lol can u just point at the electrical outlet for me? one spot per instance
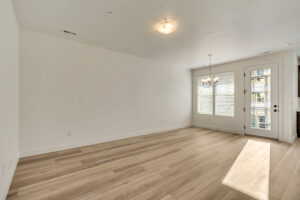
(162, 121)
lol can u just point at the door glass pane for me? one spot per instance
(261, 99)
(224, 94)
(204, 97)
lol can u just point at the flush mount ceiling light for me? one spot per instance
(166, 26)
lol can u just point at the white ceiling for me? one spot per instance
(229, 29)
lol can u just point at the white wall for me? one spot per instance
(75, 94)
(294, 88)
(9, 94)
(287, 95)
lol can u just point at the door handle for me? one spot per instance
(275, 110)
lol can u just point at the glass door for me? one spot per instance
(261, 100)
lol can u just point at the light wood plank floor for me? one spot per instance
(185, 164)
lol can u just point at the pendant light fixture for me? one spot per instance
(210, 81)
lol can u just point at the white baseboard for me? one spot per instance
(49, 149)
(291, 140)
(196, 124)
(8, 179)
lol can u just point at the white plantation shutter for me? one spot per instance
(204, 97)
(224, 94)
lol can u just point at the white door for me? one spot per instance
(261, 100)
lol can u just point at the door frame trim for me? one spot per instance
(279, 63)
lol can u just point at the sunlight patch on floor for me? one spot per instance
(250, 172)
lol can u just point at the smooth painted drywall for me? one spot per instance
(75, 94)
(9, 95)
(287, 95)
(230, 29)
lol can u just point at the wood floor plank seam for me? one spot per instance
(184, 164)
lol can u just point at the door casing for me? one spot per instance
(274, 132)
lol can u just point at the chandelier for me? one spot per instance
(210, 81)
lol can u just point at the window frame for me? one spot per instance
(214, 94)
(197, 96)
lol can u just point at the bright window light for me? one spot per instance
(250, 173)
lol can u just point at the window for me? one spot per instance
(224, 94)
(261, 99)
(204, 97)
(217, 100)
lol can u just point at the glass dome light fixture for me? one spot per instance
(166, 26)
(210, 81)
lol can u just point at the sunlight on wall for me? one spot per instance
(251, 170)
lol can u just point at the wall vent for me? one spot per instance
(69, 32)
(265, 52)
(293, 43)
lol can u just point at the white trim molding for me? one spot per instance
(8, 179)
(119, 136)
(199, 125)
(287, 95)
